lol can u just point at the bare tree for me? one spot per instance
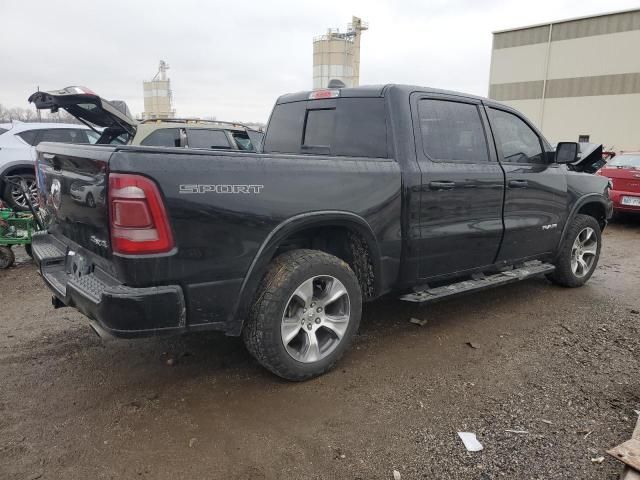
(30, 114)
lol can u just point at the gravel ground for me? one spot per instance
(561, 365)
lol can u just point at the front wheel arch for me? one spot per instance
(593, 205)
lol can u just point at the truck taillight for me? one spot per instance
(137, 218)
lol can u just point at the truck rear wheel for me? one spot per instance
(579, 252)
(306, 311)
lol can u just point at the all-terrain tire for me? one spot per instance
(564, 274)
(262, 329)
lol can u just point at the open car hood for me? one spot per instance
(590, 158)
(86, 106)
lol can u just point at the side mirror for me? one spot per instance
(567, 152)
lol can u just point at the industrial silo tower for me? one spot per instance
(336, 55)
(158, 101)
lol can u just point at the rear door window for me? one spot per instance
(202, 138)
(452, 131)
(164, 137)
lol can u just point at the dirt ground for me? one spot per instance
(560, 364)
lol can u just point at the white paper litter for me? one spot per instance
(470, 441)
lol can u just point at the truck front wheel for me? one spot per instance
(579, 252)
(306, 311)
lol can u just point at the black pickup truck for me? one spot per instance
(358, 192)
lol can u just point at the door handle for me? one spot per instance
(518, 184)
(445, 185)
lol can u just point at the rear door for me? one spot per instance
(535, 206)
(462, 185)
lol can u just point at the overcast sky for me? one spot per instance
(232, 60)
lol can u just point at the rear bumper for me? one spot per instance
(616, 198)
(113, 309)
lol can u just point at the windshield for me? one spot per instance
(625, 161)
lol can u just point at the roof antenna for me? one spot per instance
(336, 83)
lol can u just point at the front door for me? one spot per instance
(462, 185)
(535, 206)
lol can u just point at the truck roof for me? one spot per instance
(376, 91)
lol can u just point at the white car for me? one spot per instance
(18, 143)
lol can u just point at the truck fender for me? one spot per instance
(581, 202)
(283, 230)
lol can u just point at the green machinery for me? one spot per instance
(16, 228)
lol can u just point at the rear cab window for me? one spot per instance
(319, 128)
(352, 127)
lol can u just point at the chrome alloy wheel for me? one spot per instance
(583, 252)
(315, 319)
(19, 197)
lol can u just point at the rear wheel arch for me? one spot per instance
(342, 234)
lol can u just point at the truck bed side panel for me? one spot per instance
(224, 205)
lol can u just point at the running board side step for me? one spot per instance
(522, 272)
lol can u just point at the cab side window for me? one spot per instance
(452, 131)
(519, 142)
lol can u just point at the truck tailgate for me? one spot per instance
(72, 189)
(75, 255)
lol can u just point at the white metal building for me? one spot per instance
(336, 55)
(576, 79)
